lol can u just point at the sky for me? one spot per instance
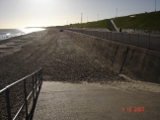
(43, 13)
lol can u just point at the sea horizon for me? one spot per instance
(9, 33)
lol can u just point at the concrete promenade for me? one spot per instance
(93, 101)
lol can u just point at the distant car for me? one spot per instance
(61, 30)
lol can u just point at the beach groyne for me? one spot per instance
(132, 61)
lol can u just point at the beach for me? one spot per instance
(61, 57)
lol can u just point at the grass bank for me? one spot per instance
(136, 21)
(94, 24)
(139, 21)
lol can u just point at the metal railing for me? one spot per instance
(30, 95)
(147, 41)
(142, 31)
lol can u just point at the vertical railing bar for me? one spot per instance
(31, 113)
(25, 99)
(129, 38)
(41, 77)
(149, 41)
(33, 99)
(111, 36)
(138, 41)
(121, 37)
(8, 104)
(39, 81)
(36, 84)
(33, 85)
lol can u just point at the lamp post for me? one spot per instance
(155, 5)
(81, 17)
(98, 17)
(116, 12)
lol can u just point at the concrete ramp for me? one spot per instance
(112, 26)
(66, 101)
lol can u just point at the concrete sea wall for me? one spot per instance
(151, 42)
(132, 61)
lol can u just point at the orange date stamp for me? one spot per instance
(132, 109)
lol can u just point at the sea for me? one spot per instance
(9, 33)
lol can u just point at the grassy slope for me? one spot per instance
(95, 24)
(140, 21)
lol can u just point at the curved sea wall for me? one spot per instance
(134, 62)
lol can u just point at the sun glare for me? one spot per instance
(29, 30)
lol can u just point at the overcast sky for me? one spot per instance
(28, 13)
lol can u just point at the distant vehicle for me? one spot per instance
(61, 30)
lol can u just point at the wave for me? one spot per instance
(8, 33)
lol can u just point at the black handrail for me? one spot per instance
(36, 87)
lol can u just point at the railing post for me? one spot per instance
(33, 84)
(34, 96)
(40, 75)
(25, 99)
(111, 35)
(129, 38)
(149, 41)
(36, 83)
(138, 40)
(8, 104)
